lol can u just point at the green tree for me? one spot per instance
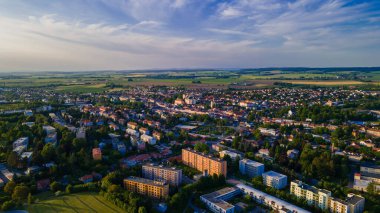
(12, 159)
(7, 205)
(55, 186)
(142, 209)
(20, 193)
(9, 187)
(69, 189)
(30, 199)
(48, 152)
(201, 147)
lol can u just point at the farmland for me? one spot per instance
(82, 202)
(95, 82)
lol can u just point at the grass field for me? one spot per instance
(326, 83)
(86, 82)
(81, 202)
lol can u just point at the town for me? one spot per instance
(178, 149)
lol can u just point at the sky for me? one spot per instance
(74, 35)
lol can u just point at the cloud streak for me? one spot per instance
(189, 34)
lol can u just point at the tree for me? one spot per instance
(142, 209)
(48, 152)
(12, 159)
(69, 188)
(20, 193)
(55, 186)
(9, 187)
(201, 147)
(7, 205)
(371, 189)
(30, 199)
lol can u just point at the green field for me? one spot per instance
(81, 202)
(91, 82)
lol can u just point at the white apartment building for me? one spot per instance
(251, 168)
(313, 196)
(275, 180)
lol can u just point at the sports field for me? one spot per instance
(81, 202)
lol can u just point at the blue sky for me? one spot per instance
(155, 34)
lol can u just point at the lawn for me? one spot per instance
(81, 202)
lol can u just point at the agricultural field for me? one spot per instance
(81, 202)
(91, 82)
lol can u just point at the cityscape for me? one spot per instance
(138, 106)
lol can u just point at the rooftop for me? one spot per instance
(251, 162)
(274, 174)
(214, 197)
(204, 155)
(145, 181)
(161, 167)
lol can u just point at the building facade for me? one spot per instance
(275, 180)
(216, 201)
(204, 162)
(313, 196)
(251, 168)
(150, 188)
(172, 176)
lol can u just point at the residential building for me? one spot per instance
(171, 175)
(233, 155)
(352, 204)
(148, 139)
(275, 203)
(275, 180)
(21, 142)
(97, 154)
(150, 188)
(81, 133)
(132, 125)
(133, 132)
(216, 201)
(313, 196)
(251, 168)
(204, 163)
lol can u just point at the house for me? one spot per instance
(43, 184)
(86, 178)
(148, 139)
(157, 135)
(144, 131)
(97, 154)
(132, 125)
(179, 102)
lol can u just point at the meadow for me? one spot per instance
(92, 82)
(81, 202)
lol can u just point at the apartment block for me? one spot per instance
(251, 168)
(275, 180)
(150, 188)
(204, 163)
(352, 204)
(170, 175)
(313, 196)
(216, 201)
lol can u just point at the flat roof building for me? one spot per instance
(251, 168)
(273, 202)
(313, 196)
(275, 180)
(150, 188)
(204, 162)
(171, 175)
(216, 201)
